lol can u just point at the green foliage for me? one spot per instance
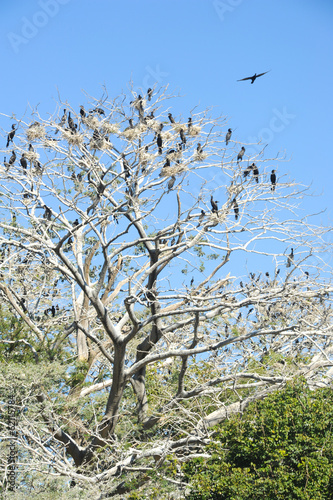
(282, 447)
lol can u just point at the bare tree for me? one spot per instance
(187, 279)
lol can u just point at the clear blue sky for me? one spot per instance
(200, 48)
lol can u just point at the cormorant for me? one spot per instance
(11, 134)
(189, 123)
(12, 158)
(30, 148)
(171, 118)
(48, 213)
(228, 136)
(23, 162)
(149, 93)
(199, 148)
(247, 171)
(183, 138)
(290, 258)
(167, 163)
(100, 111)
(255, 172)
(192, 281)
(130, 121)
(63, 120)
(171, 183)
(214, 205)
(253, 78)
(82, 112)
(159, 143)
(71, 122)
(273, 180)
(76, 223)
(236, 208)
(241, 154)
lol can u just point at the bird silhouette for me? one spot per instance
(236, 208)
(23, 162)
(241, 154)
(273, 180)
(253, 78)
(82, 112)
(214, 204)
(171, 183)
(159, 143)
(149, 93)
(290, 258)
(11, 134)
(199, 148)
(228, 136)
(63, 120)
(255, 172)
(189, 124)
(171, 118)
(12, 158)
(183, 138)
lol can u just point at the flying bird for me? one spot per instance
(228, 136)
(273, 180)
(253, 78)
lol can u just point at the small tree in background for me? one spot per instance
(127, 232)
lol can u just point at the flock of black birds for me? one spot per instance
(67, 120)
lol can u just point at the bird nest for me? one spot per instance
(133, 133)
(73, 138)
(110, 128)
(200, 156)
(31, 156)
(174, 170)
(35, 132)
(177, 127)
(194, 130)
(92, 122)
(144, 158)
(166, 136)
(100, 144)
(50, 143)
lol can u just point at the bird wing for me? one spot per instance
(263, 73)
(248, 78)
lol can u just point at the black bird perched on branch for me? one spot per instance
(82, 112)
(215, 208)
(159, 143)
(183, 138)
(199, 148)
(12, 158)
(290, 258)
(273, 180)
(255, 172)
(11, 134)
(236, 208)
(167, 163)
(63, 120)
(171, 118)
(228, 136)
(99, 111)
(71, 122)
(253, 78)
(31, 148)
(247, 171)
(24, 162)
(241, 154)
(48, 213)
(189, 124)
(149, 93)
(171, 183)
(76, 223)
